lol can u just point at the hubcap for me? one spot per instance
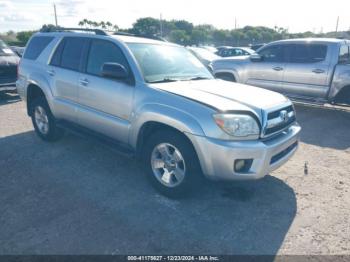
(168, 165)
(41, 120)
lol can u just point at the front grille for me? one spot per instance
(276, 122)
(8, 74)
(283, 153)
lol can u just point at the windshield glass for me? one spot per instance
(4, 49)
(163, 63)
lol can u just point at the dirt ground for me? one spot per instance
(78, 197)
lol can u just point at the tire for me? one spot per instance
(343, 98)
(174, 178)
(44, 122)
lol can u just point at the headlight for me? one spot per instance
(237, 125)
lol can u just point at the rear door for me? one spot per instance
(268, 73)
(105, 104)
(63, 72)
(306, 73)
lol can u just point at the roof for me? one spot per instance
(123, 37)
(317, 40)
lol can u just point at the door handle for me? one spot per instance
(318, 71)
(277, 68)
(84, 82)
(51, 72)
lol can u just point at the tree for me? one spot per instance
(183, 25)
(24, 36)
(146, 26)
(179, 37)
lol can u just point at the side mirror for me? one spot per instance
(115, 71)
(255, 57)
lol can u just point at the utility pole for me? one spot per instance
(336, 28)
(235, 23)
(54, 9)
(161, 25)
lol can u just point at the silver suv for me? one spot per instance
(155, 100)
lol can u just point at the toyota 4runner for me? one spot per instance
(154, 99)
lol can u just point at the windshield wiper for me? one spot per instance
(164, 80)
(197, 78)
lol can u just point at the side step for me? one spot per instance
(85, 133)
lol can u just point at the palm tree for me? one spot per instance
(109, 25)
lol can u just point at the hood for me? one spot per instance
(224, 95)
(10, 60)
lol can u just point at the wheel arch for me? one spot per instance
(159, 116)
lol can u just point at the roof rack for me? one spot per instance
(100, 32)
(68, 29)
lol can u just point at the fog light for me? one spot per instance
(242, 165)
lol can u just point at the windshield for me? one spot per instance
(4, 49)
(164, 63)
(205, 54)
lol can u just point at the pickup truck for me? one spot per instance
(155, 100)
(316, 70)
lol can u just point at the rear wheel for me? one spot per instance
(43, 121)
(344, 96)
(171, 163)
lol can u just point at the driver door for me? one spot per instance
(105, 104)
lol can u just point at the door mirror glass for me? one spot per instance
(115, 71)
(255, 57)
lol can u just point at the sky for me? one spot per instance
(295, 15)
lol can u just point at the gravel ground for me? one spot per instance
(79, 197)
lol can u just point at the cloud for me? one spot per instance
(6, 5)
(23, 17)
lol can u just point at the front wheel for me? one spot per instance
(171, 163)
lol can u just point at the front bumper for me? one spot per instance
(217, 157)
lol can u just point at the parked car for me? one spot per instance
(234, 51)
(303, 69)
(8, 68)
(205, 56)
(18, 50)
(155, 100)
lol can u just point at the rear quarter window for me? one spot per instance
(308, 53)
(36, 46)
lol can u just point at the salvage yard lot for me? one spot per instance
(79, 197)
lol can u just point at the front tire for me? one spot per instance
(171, 163)
(44, 122)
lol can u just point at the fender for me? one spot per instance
(163, 114)
(40, 81)
(341, 79)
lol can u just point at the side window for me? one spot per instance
(36, 46)
(344, 55)
(308, 53)
(273, 53)
(56, 58)
(72, 52)
(103, 52)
